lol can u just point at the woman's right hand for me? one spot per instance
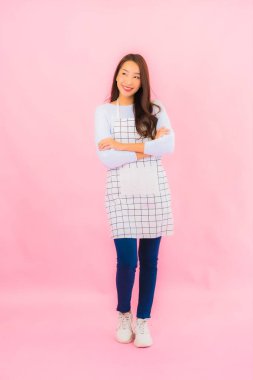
(162, 132)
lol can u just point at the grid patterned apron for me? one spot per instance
(137, 196)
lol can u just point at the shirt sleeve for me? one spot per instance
(111, 158)
(164, 144)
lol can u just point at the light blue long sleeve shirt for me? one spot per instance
(112, 158)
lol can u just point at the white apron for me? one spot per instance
(137, 197)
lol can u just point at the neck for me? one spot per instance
(123, 101)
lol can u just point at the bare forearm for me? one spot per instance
(133, 147)
(138, 148)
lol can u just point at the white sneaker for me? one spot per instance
(124, 330)
(142, 334)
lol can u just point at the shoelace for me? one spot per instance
(141, 324)
(124, 320)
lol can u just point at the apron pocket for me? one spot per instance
(138, 180)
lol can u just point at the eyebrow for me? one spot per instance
(128, 71)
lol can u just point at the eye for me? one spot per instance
(134, 77)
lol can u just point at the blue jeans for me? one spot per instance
(126, 266)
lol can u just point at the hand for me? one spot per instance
(109, 143)
(161, 132)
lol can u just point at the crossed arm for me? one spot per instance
(116, 153)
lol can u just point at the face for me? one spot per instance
(128, 79)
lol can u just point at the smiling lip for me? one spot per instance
(127, 88)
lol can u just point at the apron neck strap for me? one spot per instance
(118, 108)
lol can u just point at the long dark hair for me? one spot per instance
(143, 107)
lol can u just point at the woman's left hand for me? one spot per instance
(109, 143)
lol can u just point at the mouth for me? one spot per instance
(127, 88)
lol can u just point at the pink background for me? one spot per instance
(57, 262)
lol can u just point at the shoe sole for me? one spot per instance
(142, 345)
(125, 341)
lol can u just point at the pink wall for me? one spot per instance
(57, 262)
(57, 63)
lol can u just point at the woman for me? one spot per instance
(131, 134)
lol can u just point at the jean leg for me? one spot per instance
(148, 257)
(126, 267)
